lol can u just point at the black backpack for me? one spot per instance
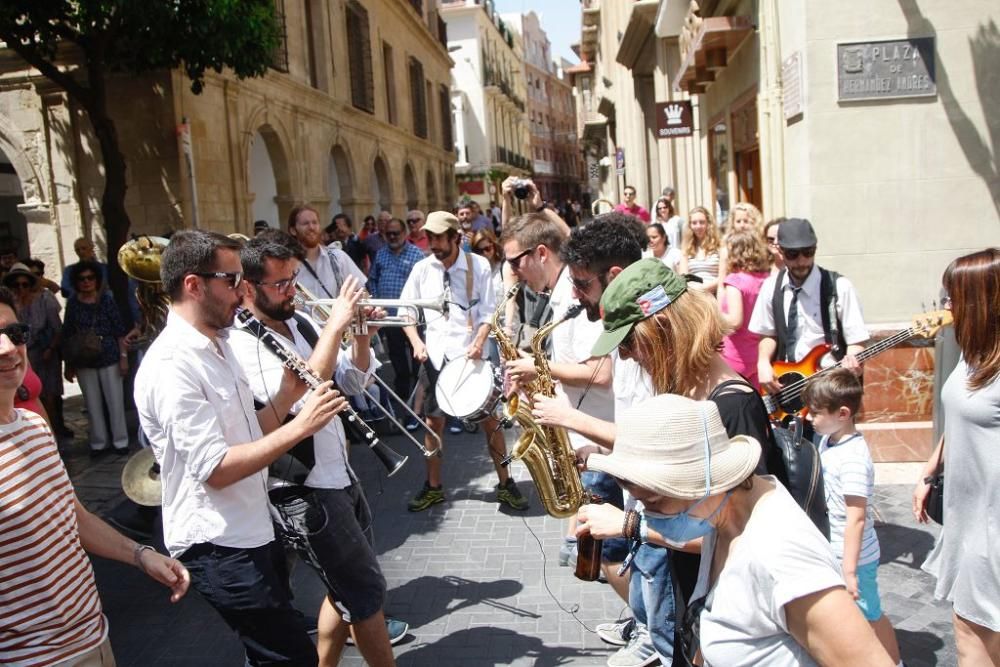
(805, 473)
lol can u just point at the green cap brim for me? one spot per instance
(609, 340)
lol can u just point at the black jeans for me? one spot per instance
(404, 366)
(249, 588)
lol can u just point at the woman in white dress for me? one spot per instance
(966, 557)
(673, 224)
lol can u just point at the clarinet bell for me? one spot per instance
(390, 459)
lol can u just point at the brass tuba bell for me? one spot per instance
(140, 260)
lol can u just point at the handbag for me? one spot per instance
(82, 349)
(935, 499)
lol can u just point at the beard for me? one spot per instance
(309, 238)
(275, 310)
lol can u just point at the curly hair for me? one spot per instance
(691, 245)
(744, 207)
(612, 239)
(747, 253)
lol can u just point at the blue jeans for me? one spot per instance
(602, 485)
(651, 597)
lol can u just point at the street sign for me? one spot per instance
(887, 70)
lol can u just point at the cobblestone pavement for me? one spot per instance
(477, 584)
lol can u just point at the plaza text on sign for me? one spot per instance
(891, 69)
(674, 119)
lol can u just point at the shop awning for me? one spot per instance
(709, 51)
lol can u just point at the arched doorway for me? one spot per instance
(381, 190)
(410, 181)
(262, 182)
(13, 224)
(432, 199)
(340, 183)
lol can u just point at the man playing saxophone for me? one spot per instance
(461, 331)
(531, 244)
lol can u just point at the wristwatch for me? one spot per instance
(929, 479)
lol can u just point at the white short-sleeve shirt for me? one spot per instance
(572, 343)
(848, 470)
(780, 557)
(810, 327)
(264, 371)
(448, 336)
(194, 403)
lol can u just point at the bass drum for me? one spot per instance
(469, 389)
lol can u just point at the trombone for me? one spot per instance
(319, 310)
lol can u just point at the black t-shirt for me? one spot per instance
(743, 413)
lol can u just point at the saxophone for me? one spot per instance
(545, 450)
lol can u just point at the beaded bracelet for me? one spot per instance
(630, 526)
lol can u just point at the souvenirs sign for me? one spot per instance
(674, 119)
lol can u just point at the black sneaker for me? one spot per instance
(428, 496)
(511, 496)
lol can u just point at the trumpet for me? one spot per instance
(319, 310)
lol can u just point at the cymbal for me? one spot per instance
(141, 479)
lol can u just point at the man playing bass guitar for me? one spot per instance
(804, 306)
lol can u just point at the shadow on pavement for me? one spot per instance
(430, 598)
(919, 648)
(903, 545)
(465, 647)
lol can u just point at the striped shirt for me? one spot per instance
(848, 471)
(49, 607)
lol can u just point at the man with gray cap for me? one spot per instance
(803, 306)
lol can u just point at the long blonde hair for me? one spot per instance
(676, 345)
(691, 245)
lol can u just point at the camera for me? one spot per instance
(522, 188)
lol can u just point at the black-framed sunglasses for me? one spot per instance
(582, 283)
(234, 278)
(413, 221)
(17, 332)
(484, 248)
(85, 277)
(772, 241)
(795, 253)
(392, 235)
(515, 261)
(280, 285)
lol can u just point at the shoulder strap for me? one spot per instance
(720, 390)
(778, 308)
(468, 287)
(832, 329)
(306, 330)
(313, 273)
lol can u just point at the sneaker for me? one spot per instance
(412, 424)
(567, 557)
(396, 628)
(639, 651)
(428, 496)
(511, 496)
(454, 426)
(617, 633)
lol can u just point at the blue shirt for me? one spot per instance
(389, 271)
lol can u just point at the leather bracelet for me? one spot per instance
(630, 526)
(137, 555)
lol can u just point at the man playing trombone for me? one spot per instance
(339, 546)
(460, 332)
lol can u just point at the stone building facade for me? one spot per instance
(874, 120)
(488, 98)
(354, 116)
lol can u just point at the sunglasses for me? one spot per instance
(413, 221)
(22, 284)
(793, 254)
(582, 284)
(515, 261)
(16, 332)
(772, 241)
(280, 285)
(392, 235)
(234, 278)
(485, 248)
(84, 278)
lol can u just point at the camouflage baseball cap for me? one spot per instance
(640, 291)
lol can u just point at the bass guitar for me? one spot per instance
(793, 375)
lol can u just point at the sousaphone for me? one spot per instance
(141, 479)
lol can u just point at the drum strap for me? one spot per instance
(468, 288)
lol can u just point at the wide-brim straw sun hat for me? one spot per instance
(660, 446)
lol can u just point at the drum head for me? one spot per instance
(465, 386)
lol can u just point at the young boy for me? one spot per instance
(833, 399)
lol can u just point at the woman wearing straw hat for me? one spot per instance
(769, 583)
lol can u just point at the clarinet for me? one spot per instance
(392, 460)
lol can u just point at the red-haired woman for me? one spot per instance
(966, 558)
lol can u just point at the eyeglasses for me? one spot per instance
(772, 241)
(582, 284)
(794, 254)
(413, 221)
(234, 278)
(515, 261)
(86, 276)
(280, 285)
(21, 284)
(392, 235)
(17, 332)
(629, 193)
(485, 248)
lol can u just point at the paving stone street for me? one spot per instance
(478, 585)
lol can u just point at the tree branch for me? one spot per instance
(53, 73)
